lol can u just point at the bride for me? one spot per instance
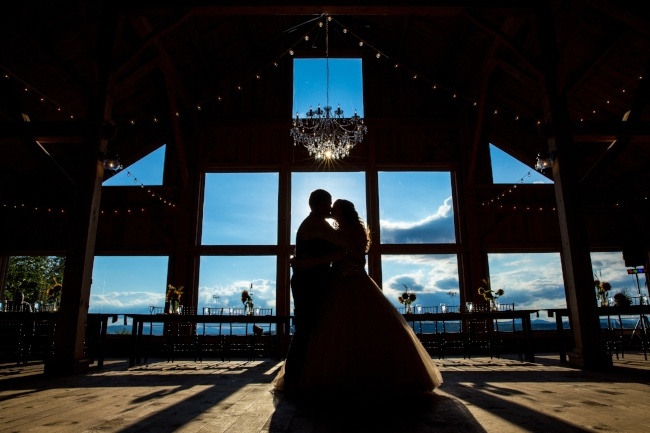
(362, 343)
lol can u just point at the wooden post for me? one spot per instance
(589, 352)
(68, 357)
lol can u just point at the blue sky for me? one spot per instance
(414, 208)
(345, 89)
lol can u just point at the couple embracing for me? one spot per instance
(348, 337)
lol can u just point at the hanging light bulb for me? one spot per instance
(544, 161)
(110, 162)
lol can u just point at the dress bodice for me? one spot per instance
(349, 266)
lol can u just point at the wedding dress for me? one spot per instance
(363, 344)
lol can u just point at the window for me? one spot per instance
(310, 85)
(128, 284)
(240, 209)
(223, 278)
(610, 267)
(346, 185)
(146, 171)
(416, 207)
(506, 169)
(430, 276)
(530, 280)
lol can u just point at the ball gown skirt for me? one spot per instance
(363, 344)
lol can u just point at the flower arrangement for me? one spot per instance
(173, 294)
(406, 299)
(247, 300)
(173, 299)
(489, 294)
(602, 287)
(622, 299)
(54, 292)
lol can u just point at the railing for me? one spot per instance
(641, 330)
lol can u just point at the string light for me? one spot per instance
(290, 52)
(507, 190)
(150, 191)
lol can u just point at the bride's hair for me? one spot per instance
(350, 217)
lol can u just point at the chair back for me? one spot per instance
(212, 328)
(450, 308)
(507, 307)
(482, 307)
(187, 310)
(156, 310)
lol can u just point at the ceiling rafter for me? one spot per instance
(641, 100)
(507, 41)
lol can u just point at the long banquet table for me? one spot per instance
(522, 315)
(140, 319)
(631, 310)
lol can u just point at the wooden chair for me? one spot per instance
(429, 332)
(612, 336)
(182, 341)
(478, 333)
(39, 340)
(211, 340)
(507, 336)
(237, 342)
(427, 326)
(451, 332)
(181, 337)
(637, 335)
(263, 341)
(12, 341)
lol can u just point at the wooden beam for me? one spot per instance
(69, 357)
(588, 352)
(233, 7)
(641, 99)
(43, 132)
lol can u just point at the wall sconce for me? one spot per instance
(544, 161)
(110, 162)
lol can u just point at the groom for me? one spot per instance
(309, 283)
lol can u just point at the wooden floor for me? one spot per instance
(478, 395)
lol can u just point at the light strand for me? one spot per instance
(379, 54)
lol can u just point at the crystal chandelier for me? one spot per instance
(327, 134)
(544, 161)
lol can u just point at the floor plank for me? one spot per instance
(480, 395)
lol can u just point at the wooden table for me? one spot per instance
(522, 315)
(96, 327)
(135, 357)
(559, 313)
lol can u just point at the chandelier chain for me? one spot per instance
(327, 134)
(327, 61)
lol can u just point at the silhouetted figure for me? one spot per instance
(309, 284)
(19, 303)
(362, 346)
